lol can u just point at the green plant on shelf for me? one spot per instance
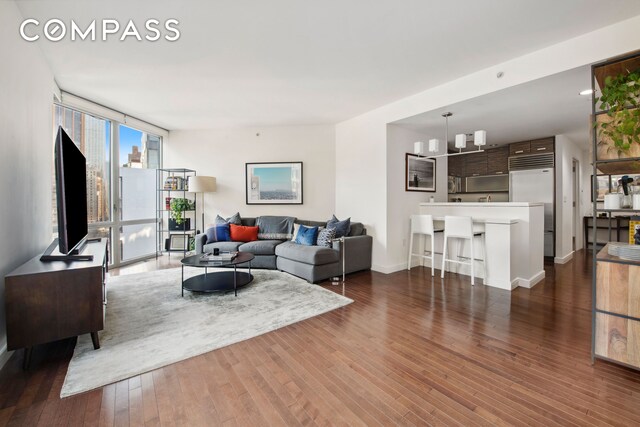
(620, 97)
(178, 206)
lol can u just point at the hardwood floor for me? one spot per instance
(411, 350)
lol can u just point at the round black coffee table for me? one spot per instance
(219, 281)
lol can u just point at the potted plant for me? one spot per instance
(178, 207)
(619, 128)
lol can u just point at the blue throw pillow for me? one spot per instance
(342, 227)
(218, 233)
(307, 235)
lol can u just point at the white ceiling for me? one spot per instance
(537, 109)
(287, 62)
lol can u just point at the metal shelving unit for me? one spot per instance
(163, 232)
(615, 334)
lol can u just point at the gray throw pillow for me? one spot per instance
(342, 227)
(326, 236)
(233, 219)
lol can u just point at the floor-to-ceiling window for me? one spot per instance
(121, 168)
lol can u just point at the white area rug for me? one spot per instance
(149, 325)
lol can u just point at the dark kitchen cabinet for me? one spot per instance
(520, 148)
(544, 145)
(498, 161)
(456, 165)
(475, 164)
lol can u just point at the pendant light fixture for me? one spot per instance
(479, 140)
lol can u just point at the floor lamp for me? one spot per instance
(202, 184)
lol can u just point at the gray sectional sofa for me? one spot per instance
(312, 263)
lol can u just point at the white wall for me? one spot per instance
(566, 151)
(400, 203)
(365, 197)
(26, 159)
(223, 154)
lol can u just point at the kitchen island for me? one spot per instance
(514, 233)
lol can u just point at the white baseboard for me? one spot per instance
(389, 269)
(565, 259)
(4, 355)
(532, 281)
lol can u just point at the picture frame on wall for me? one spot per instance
(273, 183)
(420, 173)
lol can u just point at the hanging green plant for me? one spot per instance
(178, 206)
(620, 96)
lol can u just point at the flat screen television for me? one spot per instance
(71, 193)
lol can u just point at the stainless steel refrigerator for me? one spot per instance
(536, 185)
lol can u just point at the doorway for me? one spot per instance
(575, 190)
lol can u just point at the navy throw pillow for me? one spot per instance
(218, 233)
(307, 235)
(342, 227)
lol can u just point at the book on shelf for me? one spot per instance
(174, 183)
(634, 230)
(223, 256)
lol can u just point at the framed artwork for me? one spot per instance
(178, 242)
(274, 183)
(602, 184)
(420, 173)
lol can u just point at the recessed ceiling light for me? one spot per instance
(586, 92)
(493, 145)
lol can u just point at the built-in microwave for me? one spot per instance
(455, 185)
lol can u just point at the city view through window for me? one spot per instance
(139, 153)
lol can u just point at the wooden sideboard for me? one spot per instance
(49, 301)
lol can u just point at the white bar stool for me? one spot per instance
(422, 224)
(461, 227)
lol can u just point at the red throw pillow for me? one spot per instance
(241, 233)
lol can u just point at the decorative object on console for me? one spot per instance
(479, 140)
(307, 235)
(202, 184)
(242, 233)
(273, 183)
(420, 173)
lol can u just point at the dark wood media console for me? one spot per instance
(49, 301)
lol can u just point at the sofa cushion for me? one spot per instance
(223, 246)
(260, 247)
(314, 255)
(274, 227)
(307, 235)
(241, 233)
(326, 236)
(342, 227)
(218, 233)
(233, 219)
(357, 229)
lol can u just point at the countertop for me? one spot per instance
(485, 204)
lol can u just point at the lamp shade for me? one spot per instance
(202, 184)
(461, 140)
(418, 147)
(480, 138)
(434, 145)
